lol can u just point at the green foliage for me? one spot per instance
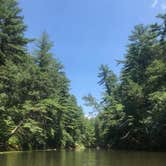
(108, 79)
(132, 109)
(89, 138)
(12, 29)
(36, 108)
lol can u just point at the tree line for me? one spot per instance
(132, 110)
(37, 110)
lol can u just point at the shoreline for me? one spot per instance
(80, 149)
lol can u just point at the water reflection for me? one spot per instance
(83, 158)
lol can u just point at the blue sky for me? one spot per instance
(87, 33)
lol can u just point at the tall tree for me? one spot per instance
(12, 40)
(13, 60)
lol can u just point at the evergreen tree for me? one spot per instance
(12, 40)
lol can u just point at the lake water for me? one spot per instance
(83, 158)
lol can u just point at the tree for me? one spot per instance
(12, 40)
(13, 59)
(107, 78)
(133, 110)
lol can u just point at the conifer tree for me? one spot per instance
(12, 40)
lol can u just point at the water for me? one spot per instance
(83, 158)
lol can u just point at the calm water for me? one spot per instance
(83, 158)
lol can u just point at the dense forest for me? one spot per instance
(37, 110)
(132, 112)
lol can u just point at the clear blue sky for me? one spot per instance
(88, 33)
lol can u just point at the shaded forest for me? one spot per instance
(37, 110)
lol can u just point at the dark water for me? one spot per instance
(83, 158)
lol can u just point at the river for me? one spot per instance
(83, 158)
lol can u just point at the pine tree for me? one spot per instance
(12, 40)
(13, 59)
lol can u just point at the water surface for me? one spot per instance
(83, 158)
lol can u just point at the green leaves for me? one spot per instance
(108, 79)
(156, 73)
(36, 107)
(37, 110)
(132, 109)
(12, 30)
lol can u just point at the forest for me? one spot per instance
(37, 110)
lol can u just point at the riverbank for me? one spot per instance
(76, 148)
(26, 151)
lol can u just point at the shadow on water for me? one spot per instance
(83, 158)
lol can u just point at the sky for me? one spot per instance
(88, 33)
